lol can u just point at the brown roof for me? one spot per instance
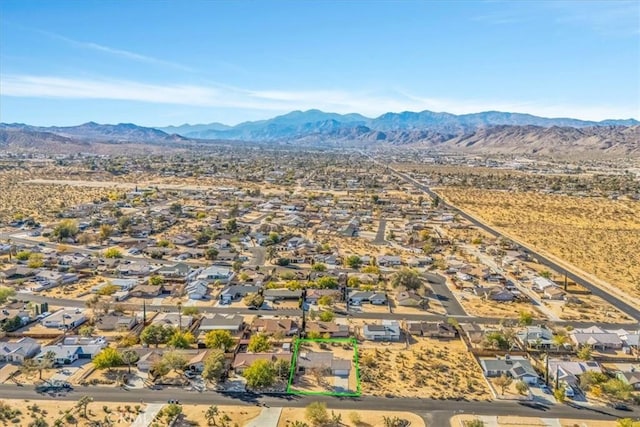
(272, 326)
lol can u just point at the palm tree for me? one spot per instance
(560, 340)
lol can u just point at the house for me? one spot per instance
(411, 299)
(630, 375)
(10, 311)
(419, 261)
(242, 361)
(220, 322)
(388, 330)
(65, 319)
(147, 291)
(541, 283)
(389, 260)
(234, 292)
(176, 320)
(359, 297)
(197, 290)
(474, 332)
(494, 293)
(432, 329)
(123, 285)
(313, 295)
(72, 349)
(133, 268)
(323, 360)
(597, 338)
(175, 270)
(18, 351)
(75, 260)
(553, 293)
(18, 272)
(516, 367)
(285, 327)
(282, 294)
(333, 329)
(50, 278)
(216, 273)
(115, 322)
(184, 240)
(535, 337)
(568, 372)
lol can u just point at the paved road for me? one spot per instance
(296, 312)
(259, 255)
(380, 240)
(632, 311)
(448, 300)
(427, 408)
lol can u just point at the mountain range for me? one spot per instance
(488, 132)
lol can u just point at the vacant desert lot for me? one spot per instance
(430, 368)
(594, 234)
(290, 416)
(458, 420)
(118, 414)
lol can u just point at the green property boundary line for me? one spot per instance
(294, 366)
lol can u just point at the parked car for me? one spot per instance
(545, 389)
(619, 406)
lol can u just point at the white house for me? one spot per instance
(215, 273)
(197, 289)
(65, 319)
(388, 330)
(17, 351)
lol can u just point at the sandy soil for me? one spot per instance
(309, 383)
(238, 414)
(52, 410)
(475, 306)
(594, 234)
(368, 418)
(457, 421)
(429, 368)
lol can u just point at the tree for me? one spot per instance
(326, 282)
(327, 316)
(503, 381)
(82, 404)
(159, 369)
(211, 414)
(174, 360)
(156, 280)
(260, 374)
(129, 357)
(105, 232)
(271, 253)
(522, 387)
(23, 255)
(325, 300)
(496, 340)
(525, 318)
(213, 366)
(259, 343)
(176, 208)
(407, 278)
(316, 413)
(12, 324)
(86, 330)
(156, 334)
(66, 229)
(559, 340)
(627, 422)
(108, 289)
(353, 261)
(318, 266)
(585, 353)
(474, 423)
(6, 293)
(253, 300)
(211, 253)
(355, 418)
(617, 389)
(107, 358)
(220, 339)
(282, 368)
(232, 225)
(46, 362)
(559, 394)
(36, 260)
(181, 339)
(113, 253)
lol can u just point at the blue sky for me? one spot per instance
(157, 63)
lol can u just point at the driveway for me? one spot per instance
(341, 384)
(269, 417)
(449, 302)
(380, 240)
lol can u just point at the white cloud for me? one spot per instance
(114, 51)
(279, 101)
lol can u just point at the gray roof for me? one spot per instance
(516, 366)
